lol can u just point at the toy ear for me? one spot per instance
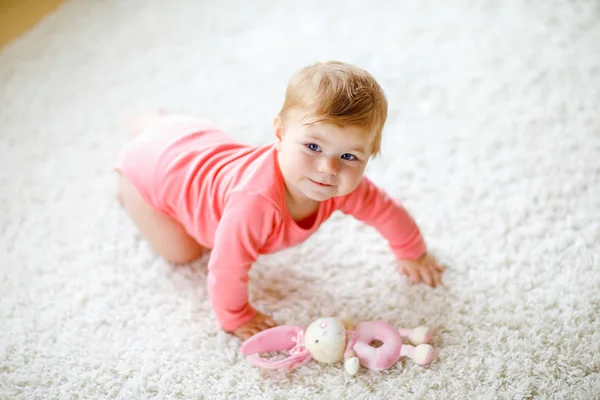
(273, 339)
(294, 361)
(280, 338)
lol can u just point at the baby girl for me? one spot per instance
(188, 187)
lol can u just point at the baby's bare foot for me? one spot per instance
(136, 123)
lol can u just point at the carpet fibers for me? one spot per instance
(493, 144)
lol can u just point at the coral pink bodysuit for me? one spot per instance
(230, 197)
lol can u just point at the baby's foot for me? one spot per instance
(136, 123)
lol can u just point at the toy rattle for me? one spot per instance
(330, 340)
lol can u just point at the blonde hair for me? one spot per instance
(338, 93)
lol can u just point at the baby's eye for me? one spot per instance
(313, 147)
(349, 157)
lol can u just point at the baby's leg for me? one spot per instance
(166, 236)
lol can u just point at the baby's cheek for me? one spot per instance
(352, 179)
(292, 163)
(305, 159)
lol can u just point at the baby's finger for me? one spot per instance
(437, 277)
(243, 334)
(440, 267)
(412, 274)
(253, 331)
(263, 326)
(257, 329)
(426, 275)
(270, 322)
(267, 320)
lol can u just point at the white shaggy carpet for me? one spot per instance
(493, 143)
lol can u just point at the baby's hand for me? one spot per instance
(260, 323)
(425, 269)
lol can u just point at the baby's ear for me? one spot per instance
(278, 129)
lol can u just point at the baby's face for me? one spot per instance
(323, 160)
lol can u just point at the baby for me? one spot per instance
(188, 187)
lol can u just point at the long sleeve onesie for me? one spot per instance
(230, 197)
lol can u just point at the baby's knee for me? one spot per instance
(186, 257)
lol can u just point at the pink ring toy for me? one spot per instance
(377, 358)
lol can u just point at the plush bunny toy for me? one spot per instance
(330, 340)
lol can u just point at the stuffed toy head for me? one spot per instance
(325, 339)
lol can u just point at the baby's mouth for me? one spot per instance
(320, 183)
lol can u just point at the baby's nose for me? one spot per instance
(330, 165)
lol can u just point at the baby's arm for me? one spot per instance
(372, 205)
(245, 225)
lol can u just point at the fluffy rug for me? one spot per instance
(493, 143)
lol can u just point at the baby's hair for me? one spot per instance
(338, 93)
